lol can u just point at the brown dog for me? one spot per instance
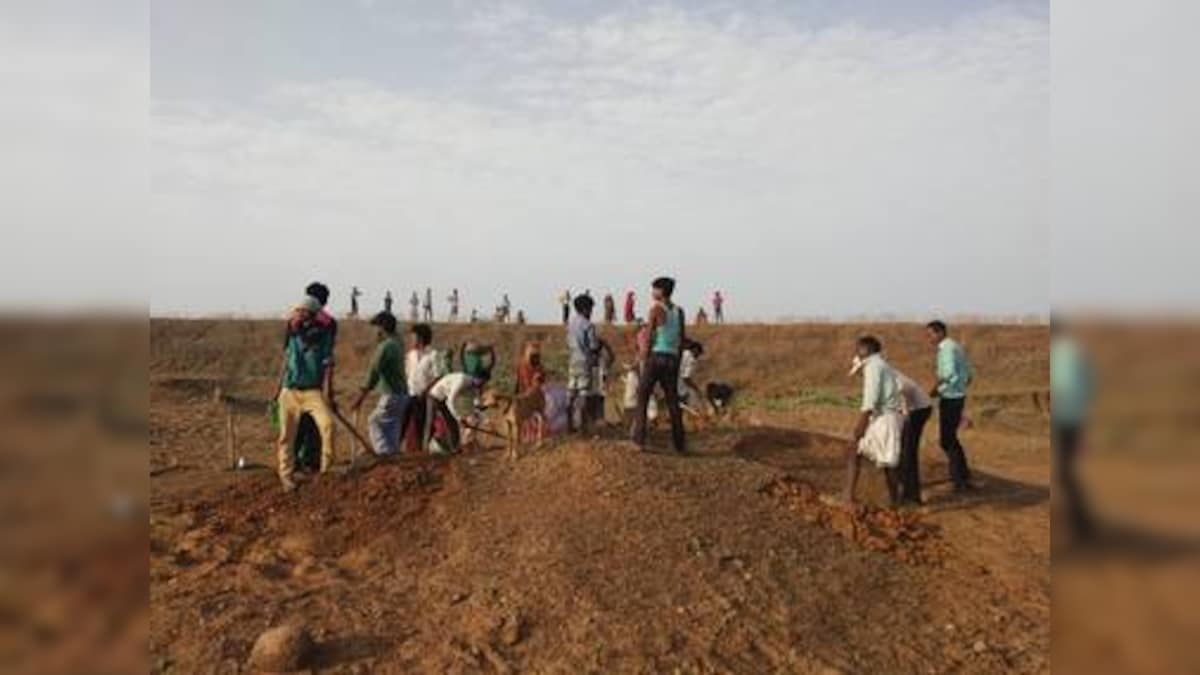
(516, 411)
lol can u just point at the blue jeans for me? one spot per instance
(384, 423)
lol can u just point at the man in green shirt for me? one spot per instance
(386, 376)
(953, 377)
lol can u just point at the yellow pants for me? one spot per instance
(292, 404)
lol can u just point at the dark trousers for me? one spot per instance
(1066, 448)
(566, 314)
(662, 370)
(910, 451)
(435, 408)
(412, 424)
(950, 411)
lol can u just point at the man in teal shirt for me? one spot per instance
(306, 384)
(386, 376)
(953, 377)
(1071, 387)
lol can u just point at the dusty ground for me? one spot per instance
(587, 557)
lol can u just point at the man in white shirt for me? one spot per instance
(421, 368)
(880, 423)
(443, 400)
(917, 408)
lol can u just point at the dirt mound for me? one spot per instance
(904, 535)
(586, 556)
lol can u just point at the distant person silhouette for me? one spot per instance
(354, 295)
(414, 307)
(453, 299)
(610, 309)
(387, 302)
(428, 304)
(630, 306)
(718, 303)
(565, 301)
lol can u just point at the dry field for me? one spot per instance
(586, 557)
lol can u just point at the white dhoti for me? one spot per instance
(881, 443)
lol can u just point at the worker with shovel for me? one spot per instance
(306, 385)
(386, 376)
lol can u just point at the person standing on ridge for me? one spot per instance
(630, 300)
(354, 295)
(428, 304)
(610, 309)
(718, 303)
(565, 301)
(414, 308)
(453, 299)
(387, 302)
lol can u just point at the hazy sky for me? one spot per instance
(810, 158)
(804, 158)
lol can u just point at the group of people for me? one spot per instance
(419, 390)
(421, 308)
(630, 314)
(895, 410)
(664, 359)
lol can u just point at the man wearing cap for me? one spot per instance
(385, 376)
(306, 384)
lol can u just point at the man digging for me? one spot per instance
(880, 422)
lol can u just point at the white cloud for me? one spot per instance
(835, 170)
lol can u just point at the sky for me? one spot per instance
(833, 159)
(73, 155)
(804, 158)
